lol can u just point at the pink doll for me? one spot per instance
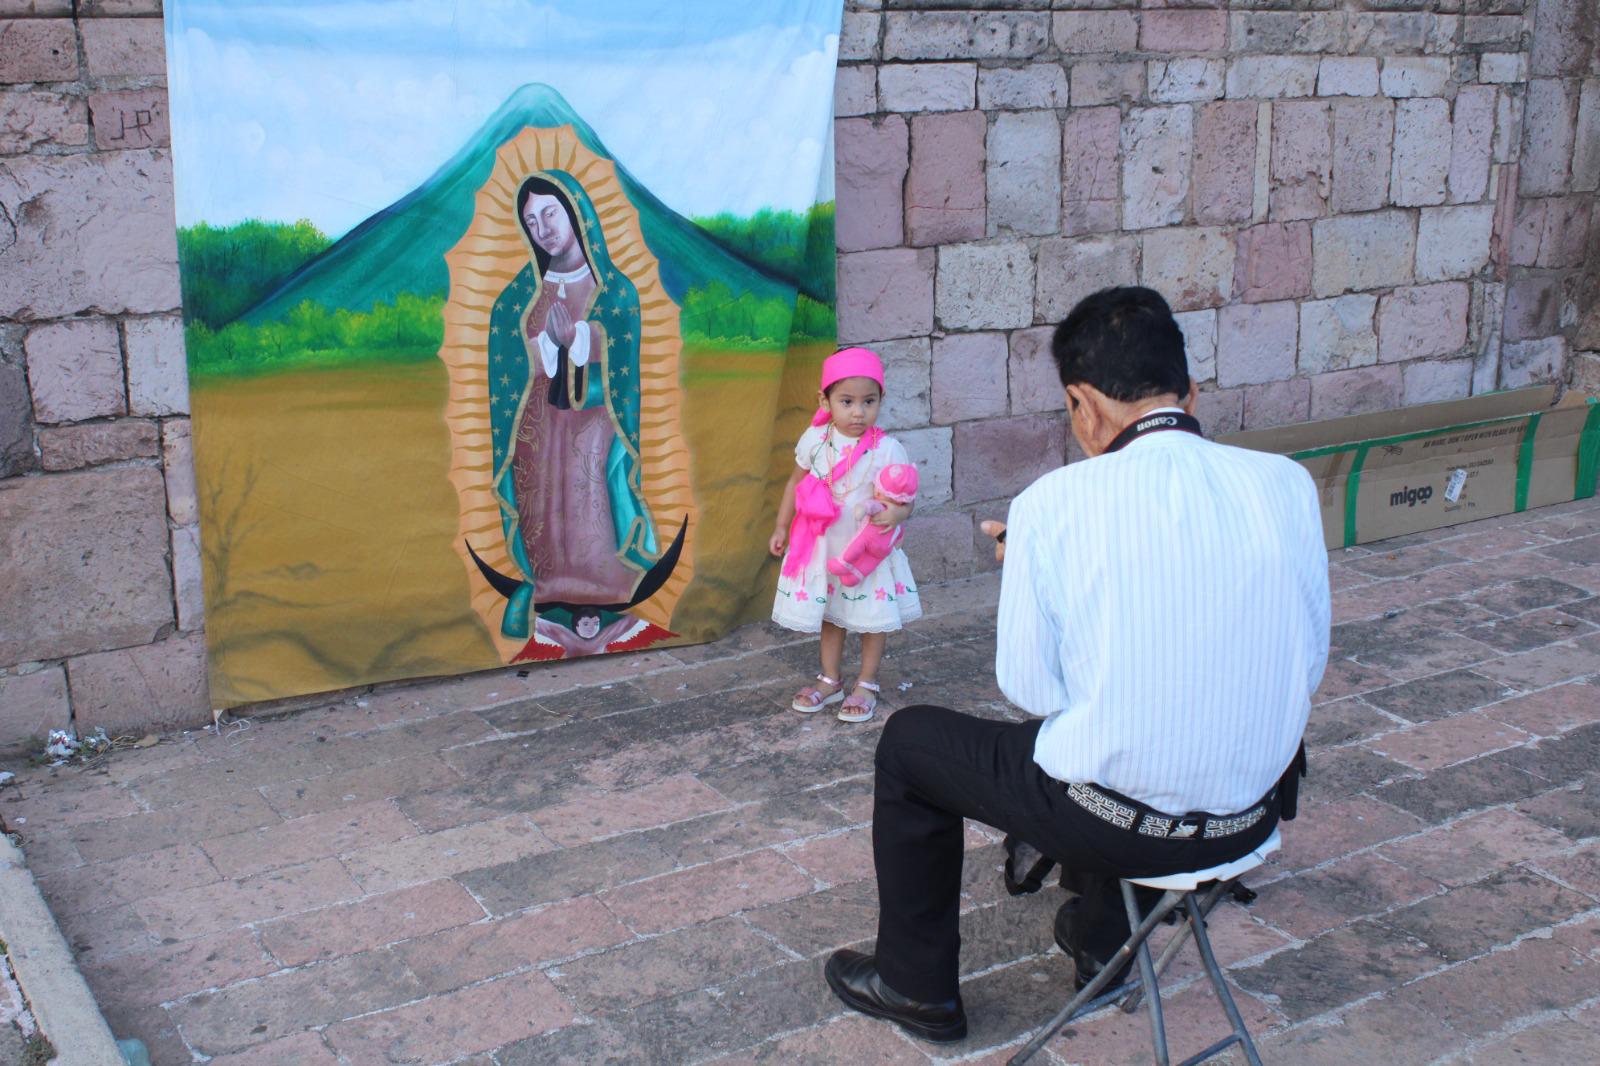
(872, 545)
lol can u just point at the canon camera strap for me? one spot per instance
(1155, 423)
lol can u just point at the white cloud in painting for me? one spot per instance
(288, 124)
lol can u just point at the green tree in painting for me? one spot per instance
(227, 269)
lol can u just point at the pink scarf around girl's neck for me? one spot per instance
(814, 506)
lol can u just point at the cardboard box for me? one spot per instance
(1441, 464)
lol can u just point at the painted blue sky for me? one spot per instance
(332, 109)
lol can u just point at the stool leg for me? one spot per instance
(1147, 973)
(1170, 901)
(1091, 992)
(1218, 983)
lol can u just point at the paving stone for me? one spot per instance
(367, 923)
(1468, 921)
(302, 1049)
(1332, 896)
(234, 1018)
(1551, 711)
(1325, 831)
(173, 971)
(444, 853)
(545, 878)
(192, 912)
(443, 1027)
(678, 899)
(1337, 968)
(1493, 780)
(1556, 1040)
(1343, 721)
(1449, 741)
(118, 837)
(1464, 851)
(128, 880)
(1528, 631)
(1342, 772)
(851, 1038)
(1192, 1018)
(1378, 1030)
(832, 918)
(1346, 677)
(1480, 996)
(681, 961)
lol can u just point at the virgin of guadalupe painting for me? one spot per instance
(581, 343)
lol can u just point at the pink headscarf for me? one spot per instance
(848, 363)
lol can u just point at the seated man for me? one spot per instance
(1164, 611)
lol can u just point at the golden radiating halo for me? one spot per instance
(481, 264)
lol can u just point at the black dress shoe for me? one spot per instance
(1087, 965)
(854, 979)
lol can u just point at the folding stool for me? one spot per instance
(1180, 890)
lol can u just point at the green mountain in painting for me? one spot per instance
(401, 249)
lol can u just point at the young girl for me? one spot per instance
(838, 460)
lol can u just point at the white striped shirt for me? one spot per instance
(1166, 607)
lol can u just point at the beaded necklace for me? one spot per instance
(851, 482)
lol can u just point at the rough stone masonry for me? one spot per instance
(1354, 204)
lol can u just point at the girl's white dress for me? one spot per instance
(887, 599)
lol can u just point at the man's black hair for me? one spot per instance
(1124, 342)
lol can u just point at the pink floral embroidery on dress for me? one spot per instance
(883, 594)
(800, 594)
(899, 588)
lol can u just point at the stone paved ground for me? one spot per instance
(646, 859)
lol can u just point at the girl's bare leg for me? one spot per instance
(832, 651)
(872, 645)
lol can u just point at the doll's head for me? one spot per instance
(897, 483)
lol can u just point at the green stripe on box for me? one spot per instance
(1588, 453)
(1525, 461)
(1352, 489)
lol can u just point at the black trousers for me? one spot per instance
(936, 767)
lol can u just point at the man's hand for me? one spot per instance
(997, 530)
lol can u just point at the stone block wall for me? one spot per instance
(100, 611)
(1353, 205)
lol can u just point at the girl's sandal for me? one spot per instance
(861, 705)
(811, 699)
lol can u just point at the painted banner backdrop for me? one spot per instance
(502, 319)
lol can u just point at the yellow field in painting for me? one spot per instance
(327, 518)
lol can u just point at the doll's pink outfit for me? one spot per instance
(870, 546)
